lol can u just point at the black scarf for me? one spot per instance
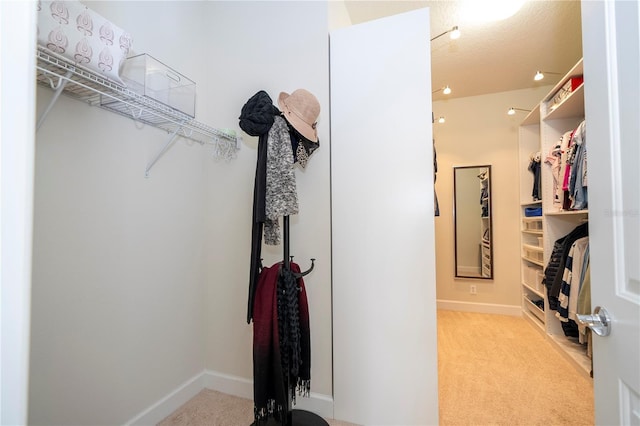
(256, 118)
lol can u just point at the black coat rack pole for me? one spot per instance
(285, 230)
(296, 417)
(288, 420)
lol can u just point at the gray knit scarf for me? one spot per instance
(281, 198)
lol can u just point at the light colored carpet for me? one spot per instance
(493, 370)
(499, 370)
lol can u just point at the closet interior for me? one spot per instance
(554, 218)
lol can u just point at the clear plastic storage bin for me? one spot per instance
(147, 76)
(532, 224)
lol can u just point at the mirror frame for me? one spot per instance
(457, 274)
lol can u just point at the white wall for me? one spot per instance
(271, 46)
(16, 205)
(478, 131)
(140, 284)
(118, 278)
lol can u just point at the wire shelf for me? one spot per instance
(60, 74)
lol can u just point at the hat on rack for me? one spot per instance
(301, 109)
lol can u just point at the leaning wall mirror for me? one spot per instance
(472, 222)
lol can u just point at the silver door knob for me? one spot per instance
(599, 322)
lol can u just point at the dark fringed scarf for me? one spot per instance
(281, 341)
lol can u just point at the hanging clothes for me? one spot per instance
(570, 286)
(281, 198)
(578, 177)
(568, 162)
(256, 118)
(584, 308)
(554, 270)
(281, 340)
(553, 159)
(534, 167)
(280, 146)
(435, 173)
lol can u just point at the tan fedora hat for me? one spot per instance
(301, 109)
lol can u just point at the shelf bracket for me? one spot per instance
(134, 115)
(164, 149)
(62, 82)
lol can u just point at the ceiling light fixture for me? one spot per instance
(446, 90)
(455, 33)
(540, 74)
(441, 119)
(513, 110)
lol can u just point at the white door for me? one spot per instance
(611, 44)
(383, 256)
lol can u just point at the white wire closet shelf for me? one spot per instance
(62, 75)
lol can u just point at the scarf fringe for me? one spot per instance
(303, 388)
(261, 415)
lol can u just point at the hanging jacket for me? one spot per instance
(555, 267)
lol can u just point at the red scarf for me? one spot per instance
(269, 379)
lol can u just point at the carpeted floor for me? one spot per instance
(499, 370)
(493, 370)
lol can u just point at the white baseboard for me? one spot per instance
(317, 403)
(482, 308)
(231, 385)
(171, 402)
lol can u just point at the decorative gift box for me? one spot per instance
(72, 30)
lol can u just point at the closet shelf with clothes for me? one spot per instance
(553, 183)
(64, 76)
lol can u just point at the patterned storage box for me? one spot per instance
(72, 30)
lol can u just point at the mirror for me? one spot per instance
(472, 222)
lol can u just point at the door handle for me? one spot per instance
(599, 322)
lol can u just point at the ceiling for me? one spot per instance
(496, 56)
